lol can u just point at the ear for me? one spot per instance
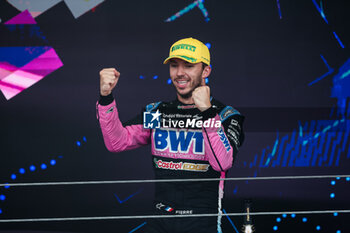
(206, 72)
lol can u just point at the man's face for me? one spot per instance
(186, 76)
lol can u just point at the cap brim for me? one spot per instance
(188, 59)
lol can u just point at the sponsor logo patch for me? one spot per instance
(181, 166)
(186, 106)
(184, 46)
(224, 140)
(161, 206)
(178, 141)
(234, 122)
(111, 109)
(227, 112)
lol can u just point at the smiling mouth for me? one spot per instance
(182, 83)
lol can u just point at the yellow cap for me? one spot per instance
(190, 50)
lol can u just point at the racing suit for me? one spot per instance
(181, 149)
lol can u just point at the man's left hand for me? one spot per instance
(201, 98)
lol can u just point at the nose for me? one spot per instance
(180, 71)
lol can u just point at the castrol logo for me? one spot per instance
(181, 166)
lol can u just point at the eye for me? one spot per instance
(189, 65)
(173, 65)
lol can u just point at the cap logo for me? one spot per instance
(183, 46)
(191, 59)
(205, 59)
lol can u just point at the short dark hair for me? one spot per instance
(204, 65)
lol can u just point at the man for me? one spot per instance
(196, 137)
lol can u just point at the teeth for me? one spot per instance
(182, 82)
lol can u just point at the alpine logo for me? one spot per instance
(161, 206)
(111, 109)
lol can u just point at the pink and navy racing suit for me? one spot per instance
(189, 152)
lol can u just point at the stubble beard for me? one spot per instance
(189, 94)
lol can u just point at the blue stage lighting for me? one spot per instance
(284, 215)
(347, 178)
(338, 178)
(141, 77)
(318, 228)
(0, 211)
(278, 219)
(22, 171)
(332, 195)
(13, 176)
(292, 215)
(208, 45)
(78, 143)
(275, 228)
(43, 166)
(32, 168)
(138, 227)
(84, 139)
(169, 81)
(339, 41)
(155, 76)
(53, 162)
(335, 214)
(304, 219)
(2, 197)
(333, 182)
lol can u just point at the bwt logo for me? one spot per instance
(224, 140)
(151, 120)
(178, 141)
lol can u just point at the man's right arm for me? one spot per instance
(117, 137)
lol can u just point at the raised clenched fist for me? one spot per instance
(108, 79)
(201, 98)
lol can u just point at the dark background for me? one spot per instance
(262, 65)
